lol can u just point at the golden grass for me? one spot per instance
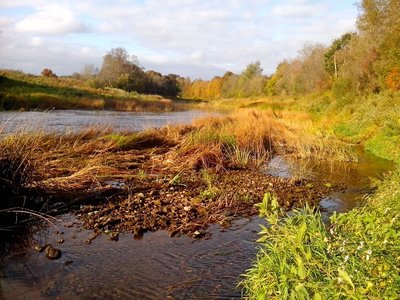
(84, 161)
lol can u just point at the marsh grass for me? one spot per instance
(74, 164)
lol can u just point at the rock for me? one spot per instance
(60, 241)
(52, 253)
(68, 262)
(40, 248)
(113, 236)
(198, 234)
(138, 232)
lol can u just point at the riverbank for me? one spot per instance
(21, 91)
(357, 255)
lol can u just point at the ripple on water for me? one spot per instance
(152, 268)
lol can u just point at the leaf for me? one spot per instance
(301, 233)
(317, 296)
(301, 269)
(343, 274)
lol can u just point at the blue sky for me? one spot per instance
(198, 39)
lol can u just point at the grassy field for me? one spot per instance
(372, 121)
(23, 91)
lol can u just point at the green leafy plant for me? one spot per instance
(356, 257)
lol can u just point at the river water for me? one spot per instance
(158, 266)
(75, 120)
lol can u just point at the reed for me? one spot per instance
(79, 165)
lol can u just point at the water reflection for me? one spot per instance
(356, 176)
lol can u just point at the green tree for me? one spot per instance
(252, 70)
(331, 62)
(119, 69)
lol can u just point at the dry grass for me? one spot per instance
(82, 163)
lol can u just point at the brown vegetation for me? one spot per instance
(197, 173)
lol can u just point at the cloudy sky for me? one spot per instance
(195, 38)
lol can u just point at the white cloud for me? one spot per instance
(51, 20)
(187, 37)
(16, 3)
(36, 41)
(301, 10)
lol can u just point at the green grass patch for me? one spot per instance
(385, 146)
(24, 91)
(356, 257)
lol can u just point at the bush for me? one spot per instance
(48, 73)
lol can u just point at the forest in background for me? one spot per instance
(355, 64)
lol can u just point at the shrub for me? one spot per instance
(48, 73)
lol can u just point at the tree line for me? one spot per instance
(123, 71)
(356, 63)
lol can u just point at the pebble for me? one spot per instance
(52, 253)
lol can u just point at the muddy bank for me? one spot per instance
(188, 205)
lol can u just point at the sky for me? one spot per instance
(191, 38)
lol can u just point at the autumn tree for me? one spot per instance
(119, 69)
(88, 71)
(48, 73)
(313, 76)
(379, 25)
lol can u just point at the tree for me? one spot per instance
(313, 76)
(48, 73)
(88, 71)
(331, 63)
(252, 70)
(119, 67)
(379, 24)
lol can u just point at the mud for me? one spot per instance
(189, 204)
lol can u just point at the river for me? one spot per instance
(75, 120)
(157, 266)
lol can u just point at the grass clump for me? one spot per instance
(16, 166)
(356, 257)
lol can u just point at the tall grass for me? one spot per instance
(372, 120)
(356, 257)
(65, 164)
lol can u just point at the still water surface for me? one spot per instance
(157, 266)
(74, 120)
